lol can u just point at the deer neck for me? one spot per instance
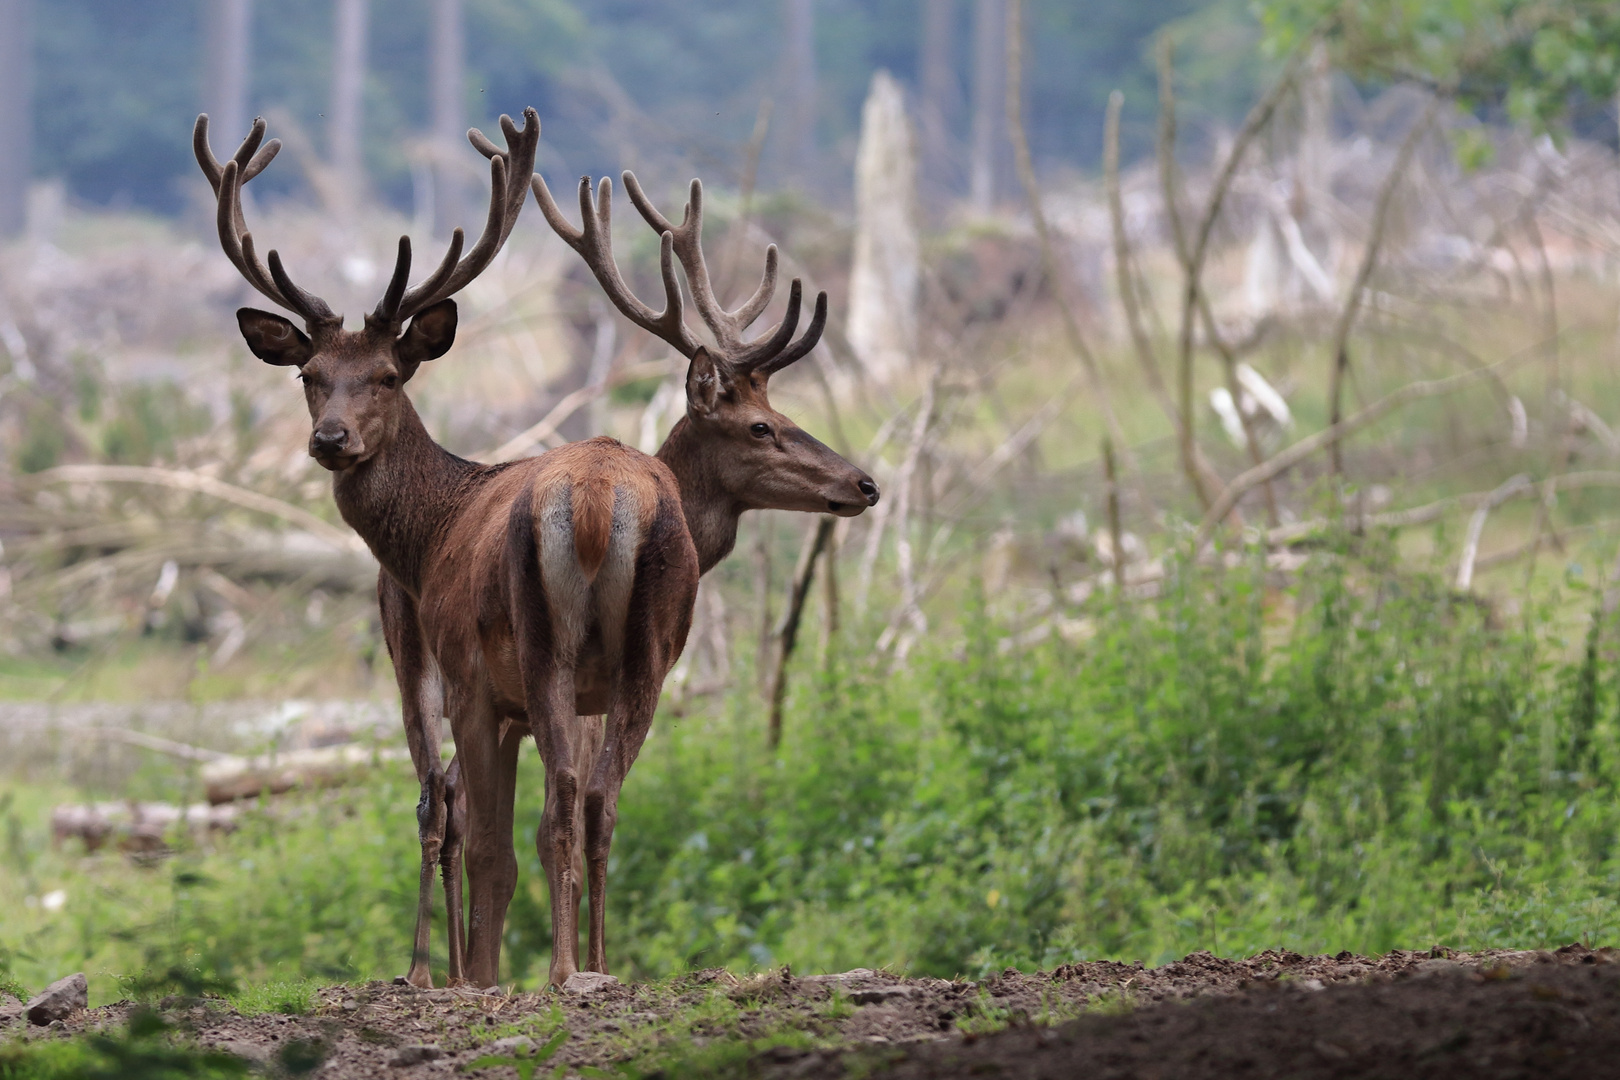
(711, 511)
(400, 498)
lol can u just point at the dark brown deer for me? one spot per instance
(550, 595)
(340, 369)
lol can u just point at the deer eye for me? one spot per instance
(760, 430)
(390, 381)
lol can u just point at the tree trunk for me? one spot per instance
(883, 283)
(941, 103)
(16, 113)
(800, 69)
(446, 78)
(989, 101)
(229, 68)
(344, 130)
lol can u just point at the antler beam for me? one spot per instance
(509, 173)
(769, 353)
(227, 180)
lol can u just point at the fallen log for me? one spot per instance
(230, 778)
(136, 826)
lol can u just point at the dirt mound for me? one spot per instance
(1278, 1013)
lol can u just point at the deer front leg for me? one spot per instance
(422, 706)
(430, 819)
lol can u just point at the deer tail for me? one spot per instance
(593, 523)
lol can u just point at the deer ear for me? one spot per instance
(703, 386)
(429, 336)
(273, 339)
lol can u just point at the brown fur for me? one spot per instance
(593, 521)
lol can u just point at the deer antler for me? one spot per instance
(509, 173)
(768, 353)
(227, 180)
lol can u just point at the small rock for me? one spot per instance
(247, 1051)
(414, 1055)
(1309, 984)
(1439, 966)
(512, 1046)
(588, 982)
(840, 977)
(876, 995)
(60, 1000)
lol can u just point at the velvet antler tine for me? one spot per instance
(755, 305)
(604, 208)
(780, 335)
(264, 157)
(387, 312)
(482, 143)
(672, 284)
(250, 145)
(311, 307)
(433, 288)
(802, 347)
(553, 215)
(211, 167)
(659, 223)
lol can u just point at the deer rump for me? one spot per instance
(602, 524)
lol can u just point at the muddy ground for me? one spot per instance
(1500, 1014)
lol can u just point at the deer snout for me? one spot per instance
(330, 442)
(868, 496)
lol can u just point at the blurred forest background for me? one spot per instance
(1240, 381)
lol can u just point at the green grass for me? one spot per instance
(289, 998)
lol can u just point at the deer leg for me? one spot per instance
(556, 841)
(455, 801)
(430, 818)
(489, 777)
(623, 732)
(422, 705)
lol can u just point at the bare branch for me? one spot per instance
(183, 480)
(1369, 260)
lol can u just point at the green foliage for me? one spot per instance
(524, 1065)
(1363, 760)
(147, 419)
(147, 1049)
(42, 442)
(1531, 56)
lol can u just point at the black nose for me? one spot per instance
(870, 490)
(329, 442)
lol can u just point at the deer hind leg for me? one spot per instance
(450, 858)
(551, 714)
(489, 777)
(657, 613)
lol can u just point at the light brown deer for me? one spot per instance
(550, 595)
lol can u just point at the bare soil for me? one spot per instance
(1497, 1014)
